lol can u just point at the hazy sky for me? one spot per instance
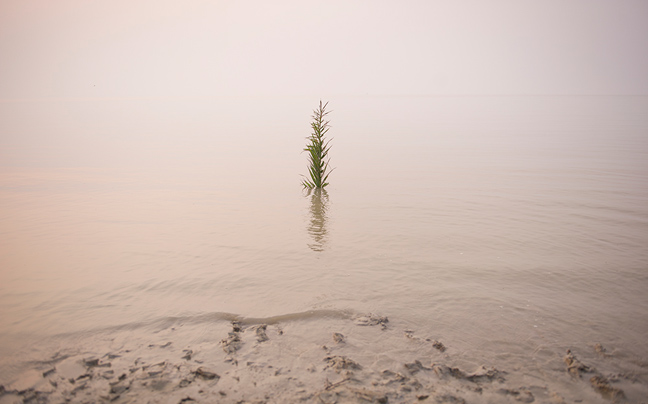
(116, 48)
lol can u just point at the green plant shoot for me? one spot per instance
(318, 148)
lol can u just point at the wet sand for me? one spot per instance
(312, 357)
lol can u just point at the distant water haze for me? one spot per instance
(168, 49)
(437, 199)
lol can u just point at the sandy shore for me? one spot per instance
(318, 359)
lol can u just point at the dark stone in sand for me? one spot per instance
(522, 395)
(206, 374)
(94, 362)
(414, 367)
(339, 363)
(49, 372)
(393, 378)
(188, 354)
(90, 362)
(261, 333)
(438, 345)
(371, 320)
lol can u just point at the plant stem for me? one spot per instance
(318, 148)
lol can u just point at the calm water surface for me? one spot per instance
(502, 224)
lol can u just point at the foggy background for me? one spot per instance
(97, 49)
(164, 84)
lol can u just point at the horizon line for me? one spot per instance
(207, 97)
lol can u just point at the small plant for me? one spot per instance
(318, 148)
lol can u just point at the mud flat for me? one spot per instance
(313, 357)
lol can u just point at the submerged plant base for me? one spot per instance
(318, 148)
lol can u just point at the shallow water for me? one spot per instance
(511, 228)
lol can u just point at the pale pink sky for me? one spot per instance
(80, 48)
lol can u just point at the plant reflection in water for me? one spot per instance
(318, 217)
